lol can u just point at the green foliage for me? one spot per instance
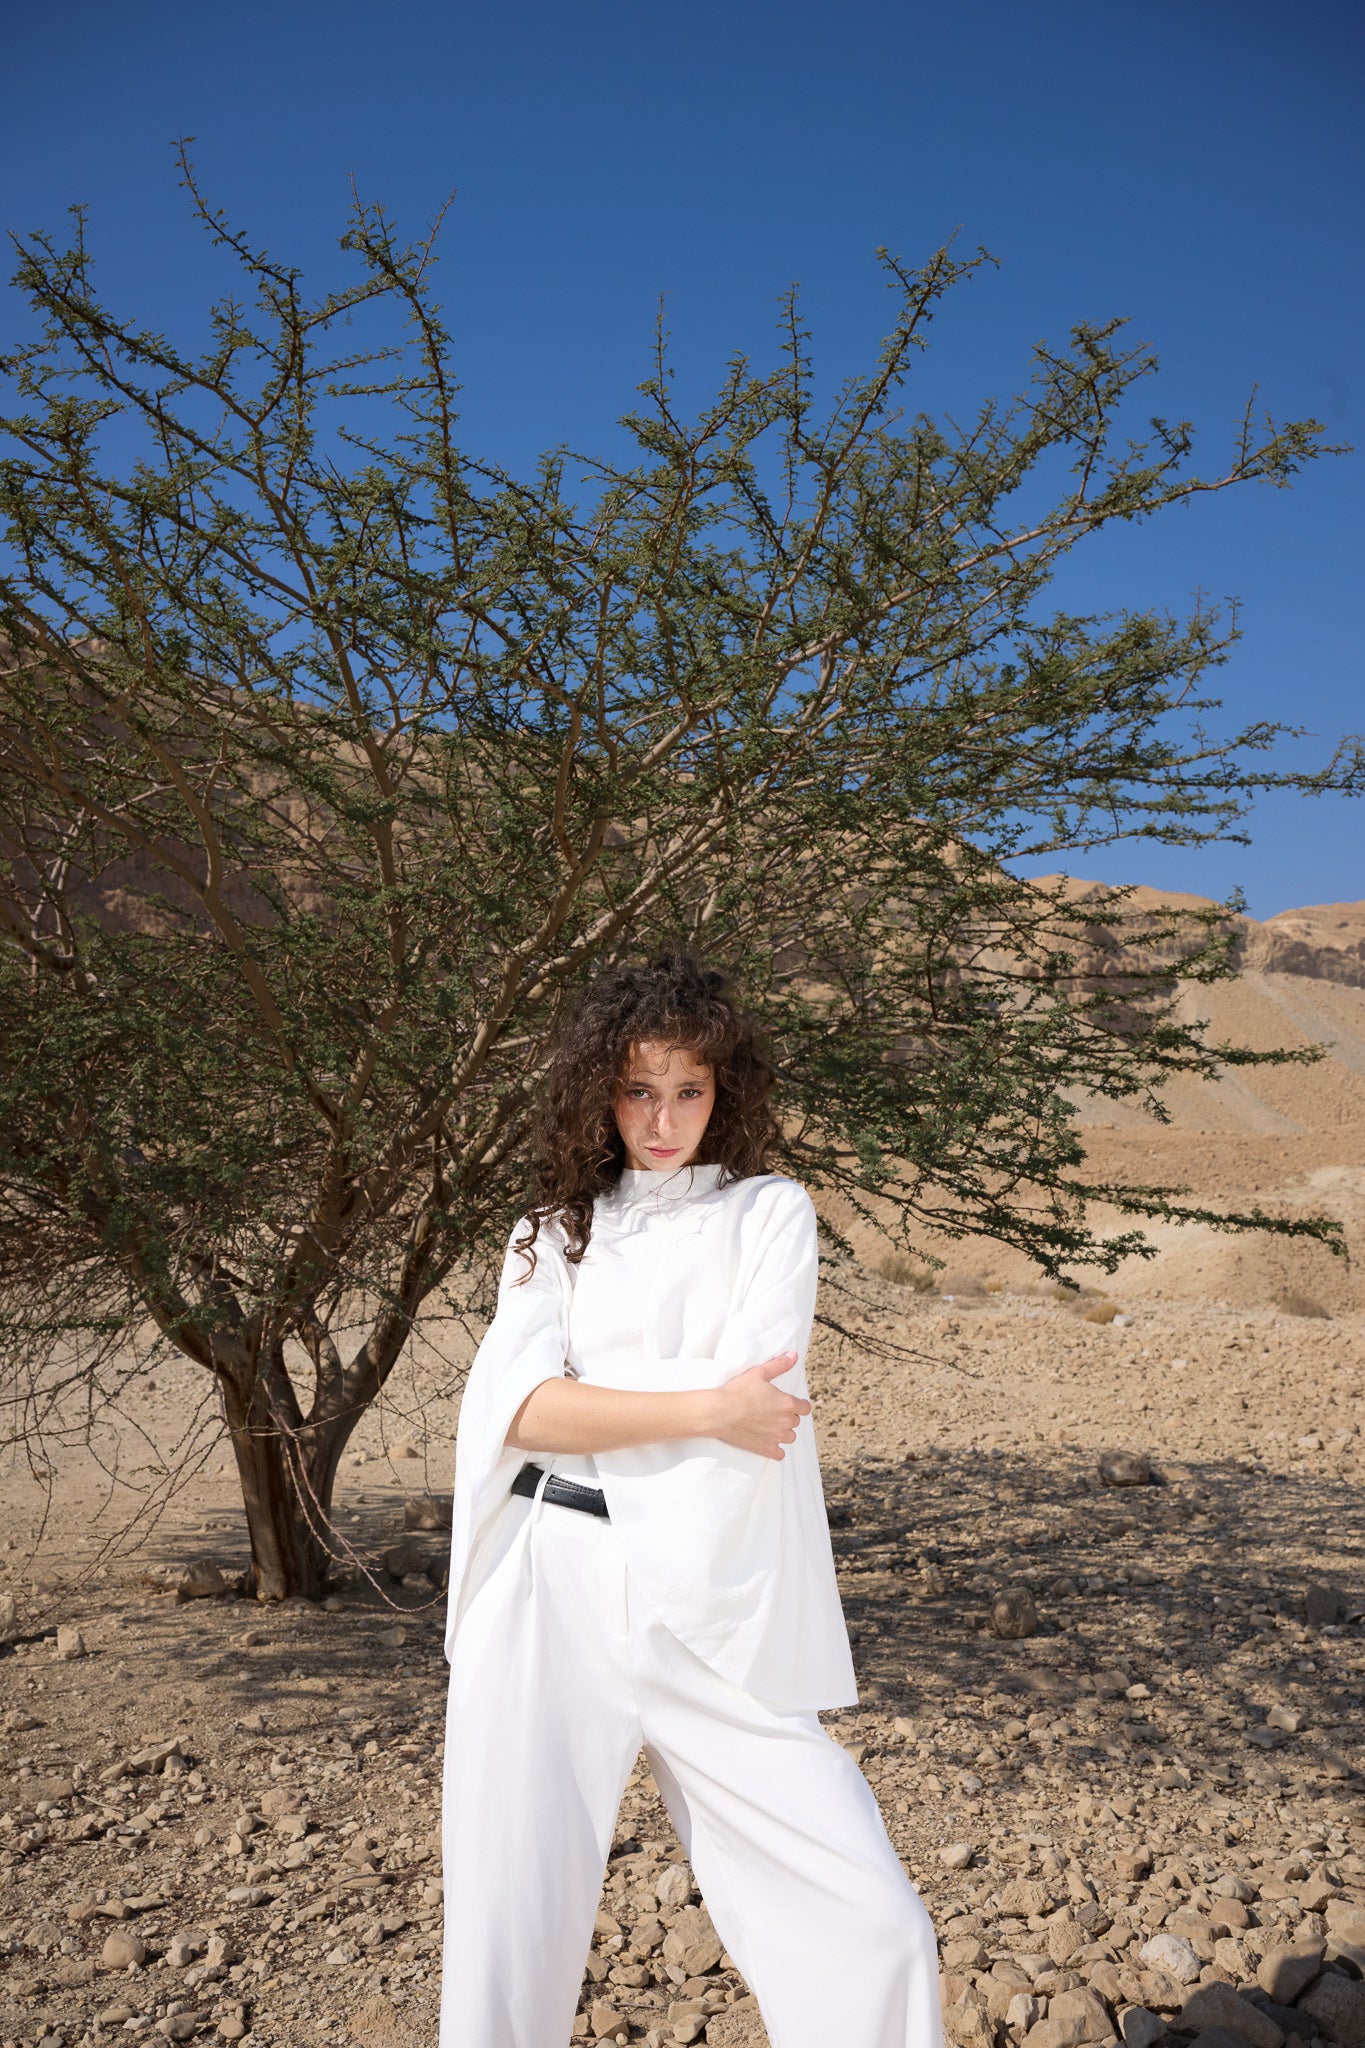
(332, 762)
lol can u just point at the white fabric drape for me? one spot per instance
(684, 1284)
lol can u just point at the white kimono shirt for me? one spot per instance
(683, 1285)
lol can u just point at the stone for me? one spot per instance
(1338, 2005)
(736, 2026)
(1023, 2011)
(957, 1855)
(1013, 1614)
(201, 1580)
(1345, 1922)
(181, 2026)
(1290, 1719)
(1323, 1604)
(965, 2018)
(232, 2026)
(1219, 2005)
(421, 1512)
(1140, 2028)
(964, 1954)
(1287, 2018)
(1287, 1970)
(70, 1644)
(375, 2022)
(1125, 1468)
(1173, 1954)
(181, 1951)
(1024, 1896)
(1001, 1986)
(1229, 1916)
(675, 1886)
(405, 1559)
(1158, 1989)
(121, 1948)
(1064, 1936)
(9, 1614)
(693, 1942)
(1078, 2016)
(1132, 1865)
(605, 2021)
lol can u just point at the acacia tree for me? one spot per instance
(332, 762)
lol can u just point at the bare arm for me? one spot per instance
(747, 1411)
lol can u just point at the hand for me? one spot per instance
(754, 1415)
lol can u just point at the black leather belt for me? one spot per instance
(563, 1493)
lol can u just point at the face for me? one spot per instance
(662, 1105)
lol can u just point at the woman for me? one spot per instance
(637, 1559)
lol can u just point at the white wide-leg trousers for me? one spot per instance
(560, 1674)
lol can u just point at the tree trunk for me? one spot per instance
(287, 1470)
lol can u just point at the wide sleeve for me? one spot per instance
(773, 1308)
(526, 1343)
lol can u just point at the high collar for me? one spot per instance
(669, 1184)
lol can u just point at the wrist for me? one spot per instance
(710, 1410)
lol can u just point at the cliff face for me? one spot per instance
(1326, 942)
(1323, 942)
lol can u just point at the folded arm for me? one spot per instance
(574, 1415)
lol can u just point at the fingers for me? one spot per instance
(773, 1368)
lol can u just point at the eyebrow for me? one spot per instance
(688, 1081)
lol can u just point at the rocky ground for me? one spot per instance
(1144, 1815)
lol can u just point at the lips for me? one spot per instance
(662, 1151)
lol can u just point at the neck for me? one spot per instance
(695, 1177)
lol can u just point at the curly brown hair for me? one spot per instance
(578, 1149)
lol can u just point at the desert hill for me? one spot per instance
(1291, 1138)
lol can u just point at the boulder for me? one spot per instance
(675, 1886)
(1013, 1614)
(423, 1513)
(1337, 2003)
(1079, 2016)
(1171, 1953)
(405, 1559)
(693, 1942)
(1023, 1897)
(1287, 1970)
(1345, 1922)
(1219, 2005)
(1125, 1468)
(121, 1948)
(201, 1580)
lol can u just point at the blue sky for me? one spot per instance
(1195, 165)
